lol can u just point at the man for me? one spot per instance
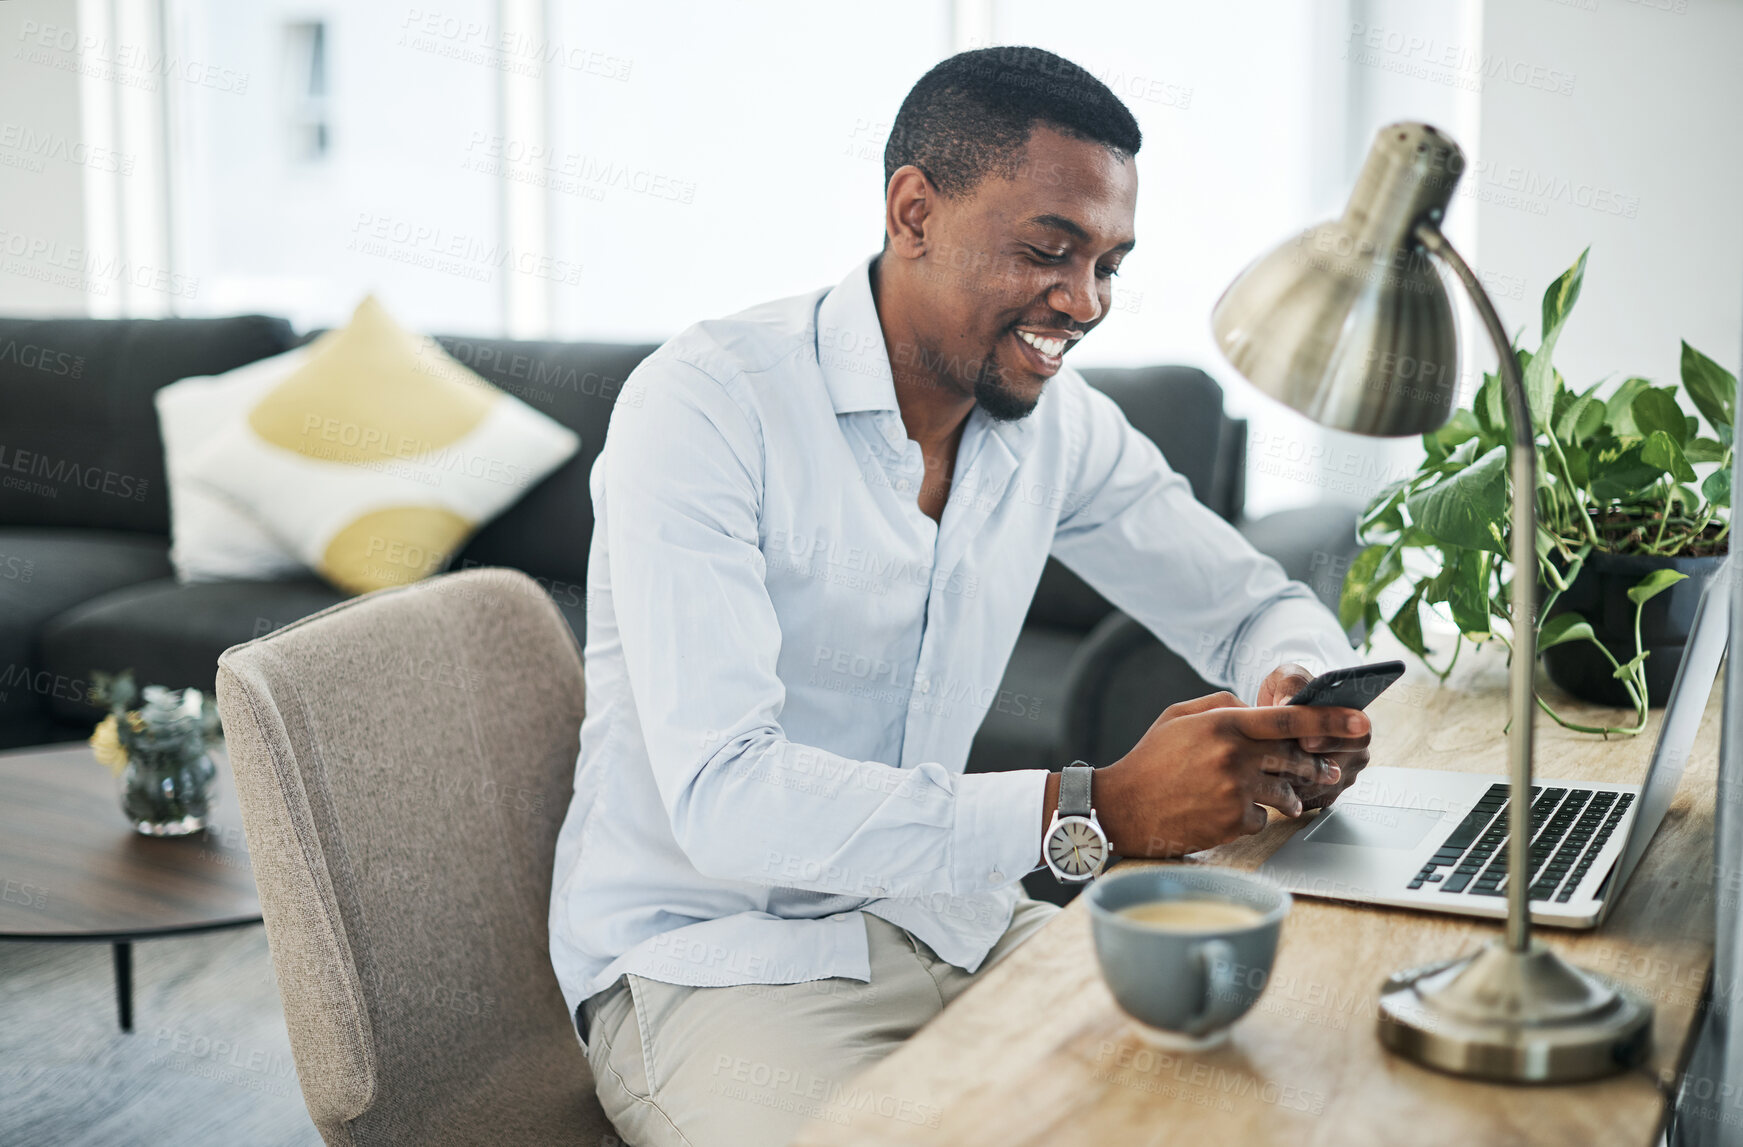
(820, 520)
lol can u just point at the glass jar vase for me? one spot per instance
(168, 792)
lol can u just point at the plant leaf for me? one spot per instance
(1578, 464)
(1432, 447)
(1406, 625)
(1654, 584)
(1717, 487)
(1491, 407)
(1563, 628)
(1618, 410)
(1656, 409)
(1357, 579)
(1581, 420)
(1468, 594)
(1564, 399)
(1546, 479)
(1461, 427)
(1704, 450)
(1627, 668)
(1372, 570)
(1459, 510)
(1617, 473)
(1660, 450)
(1711, 387)
(1382, 512)
(1558, 301)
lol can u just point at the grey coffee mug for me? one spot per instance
(1190, 985)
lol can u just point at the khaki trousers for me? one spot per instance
(747, 1066)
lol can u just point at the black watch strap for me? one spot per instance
(1074, 783)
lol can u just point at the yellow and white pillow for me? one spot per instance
(212, 536)
(380, 455)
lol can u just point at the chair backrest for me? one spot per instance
(403, 761)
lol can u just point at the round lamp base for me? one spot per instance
(1514, 1017)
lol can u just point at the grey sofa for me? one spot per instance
(85, 579)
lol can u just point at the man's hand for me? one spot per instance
(1206, 771)
(1349, 754)
(1284, 682)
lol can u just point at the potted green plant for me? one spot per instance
(1628, 528)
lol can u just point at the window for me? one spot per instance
(305, 90)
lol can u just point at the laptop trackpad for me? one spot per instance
(1374, 825)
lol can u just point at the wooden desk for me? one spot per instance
(1038, 1053)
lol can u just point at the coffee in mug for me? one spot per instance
(1185, 948)
(1192, 915)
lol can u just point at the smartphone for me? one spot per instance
(1351, 688)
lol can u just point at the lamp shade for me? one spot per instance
(1349, 323)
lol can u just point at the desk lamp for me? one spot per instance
(1350, 324)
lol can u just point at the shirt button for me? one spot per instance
(995, 876)
(902, 485)
(925, 685)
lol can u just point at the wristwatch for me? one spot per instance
(1075, 846)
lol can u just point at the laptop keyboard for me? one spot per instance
(1568, 830)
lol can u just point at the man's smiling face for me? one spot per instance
(1018, 270)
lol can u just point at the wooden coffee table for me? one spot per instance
(73, 869)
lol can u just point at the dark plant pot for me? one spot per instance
(1600, 595)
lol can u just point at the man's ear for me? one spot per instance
(908, 205)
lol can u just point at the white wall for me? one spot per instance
(392, 208)
(700, 159)
(724, 154)
(1602, 123)
(1242, 138)
(1643, 162)
(42, 162)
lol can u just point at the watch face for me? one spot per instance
(1076, 848)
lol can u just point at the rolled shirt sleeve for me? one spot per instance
(1133, 530)
(701, 638)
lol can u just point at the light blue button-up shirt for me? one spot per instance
(786, 660)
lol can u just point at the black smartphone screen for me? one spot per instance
(1351, 688)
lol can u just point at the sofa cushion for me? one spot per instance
(546, 533)
(169, 633)
(44, 572)
(78, 433)
(1025, 723)
(1180, 408)
(380, 454)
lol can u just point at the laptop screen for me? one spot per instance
(1708, 635)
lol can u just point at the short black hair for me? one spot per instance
(971, 115)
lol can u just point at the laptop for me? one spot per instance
(1436, 840)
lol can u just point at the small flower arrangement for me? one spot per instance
(158, 749)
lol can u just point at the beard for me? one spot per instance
(991, 393)
(999, 401)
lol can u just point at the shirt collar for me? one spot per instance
(850, 346)
(856, 363)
